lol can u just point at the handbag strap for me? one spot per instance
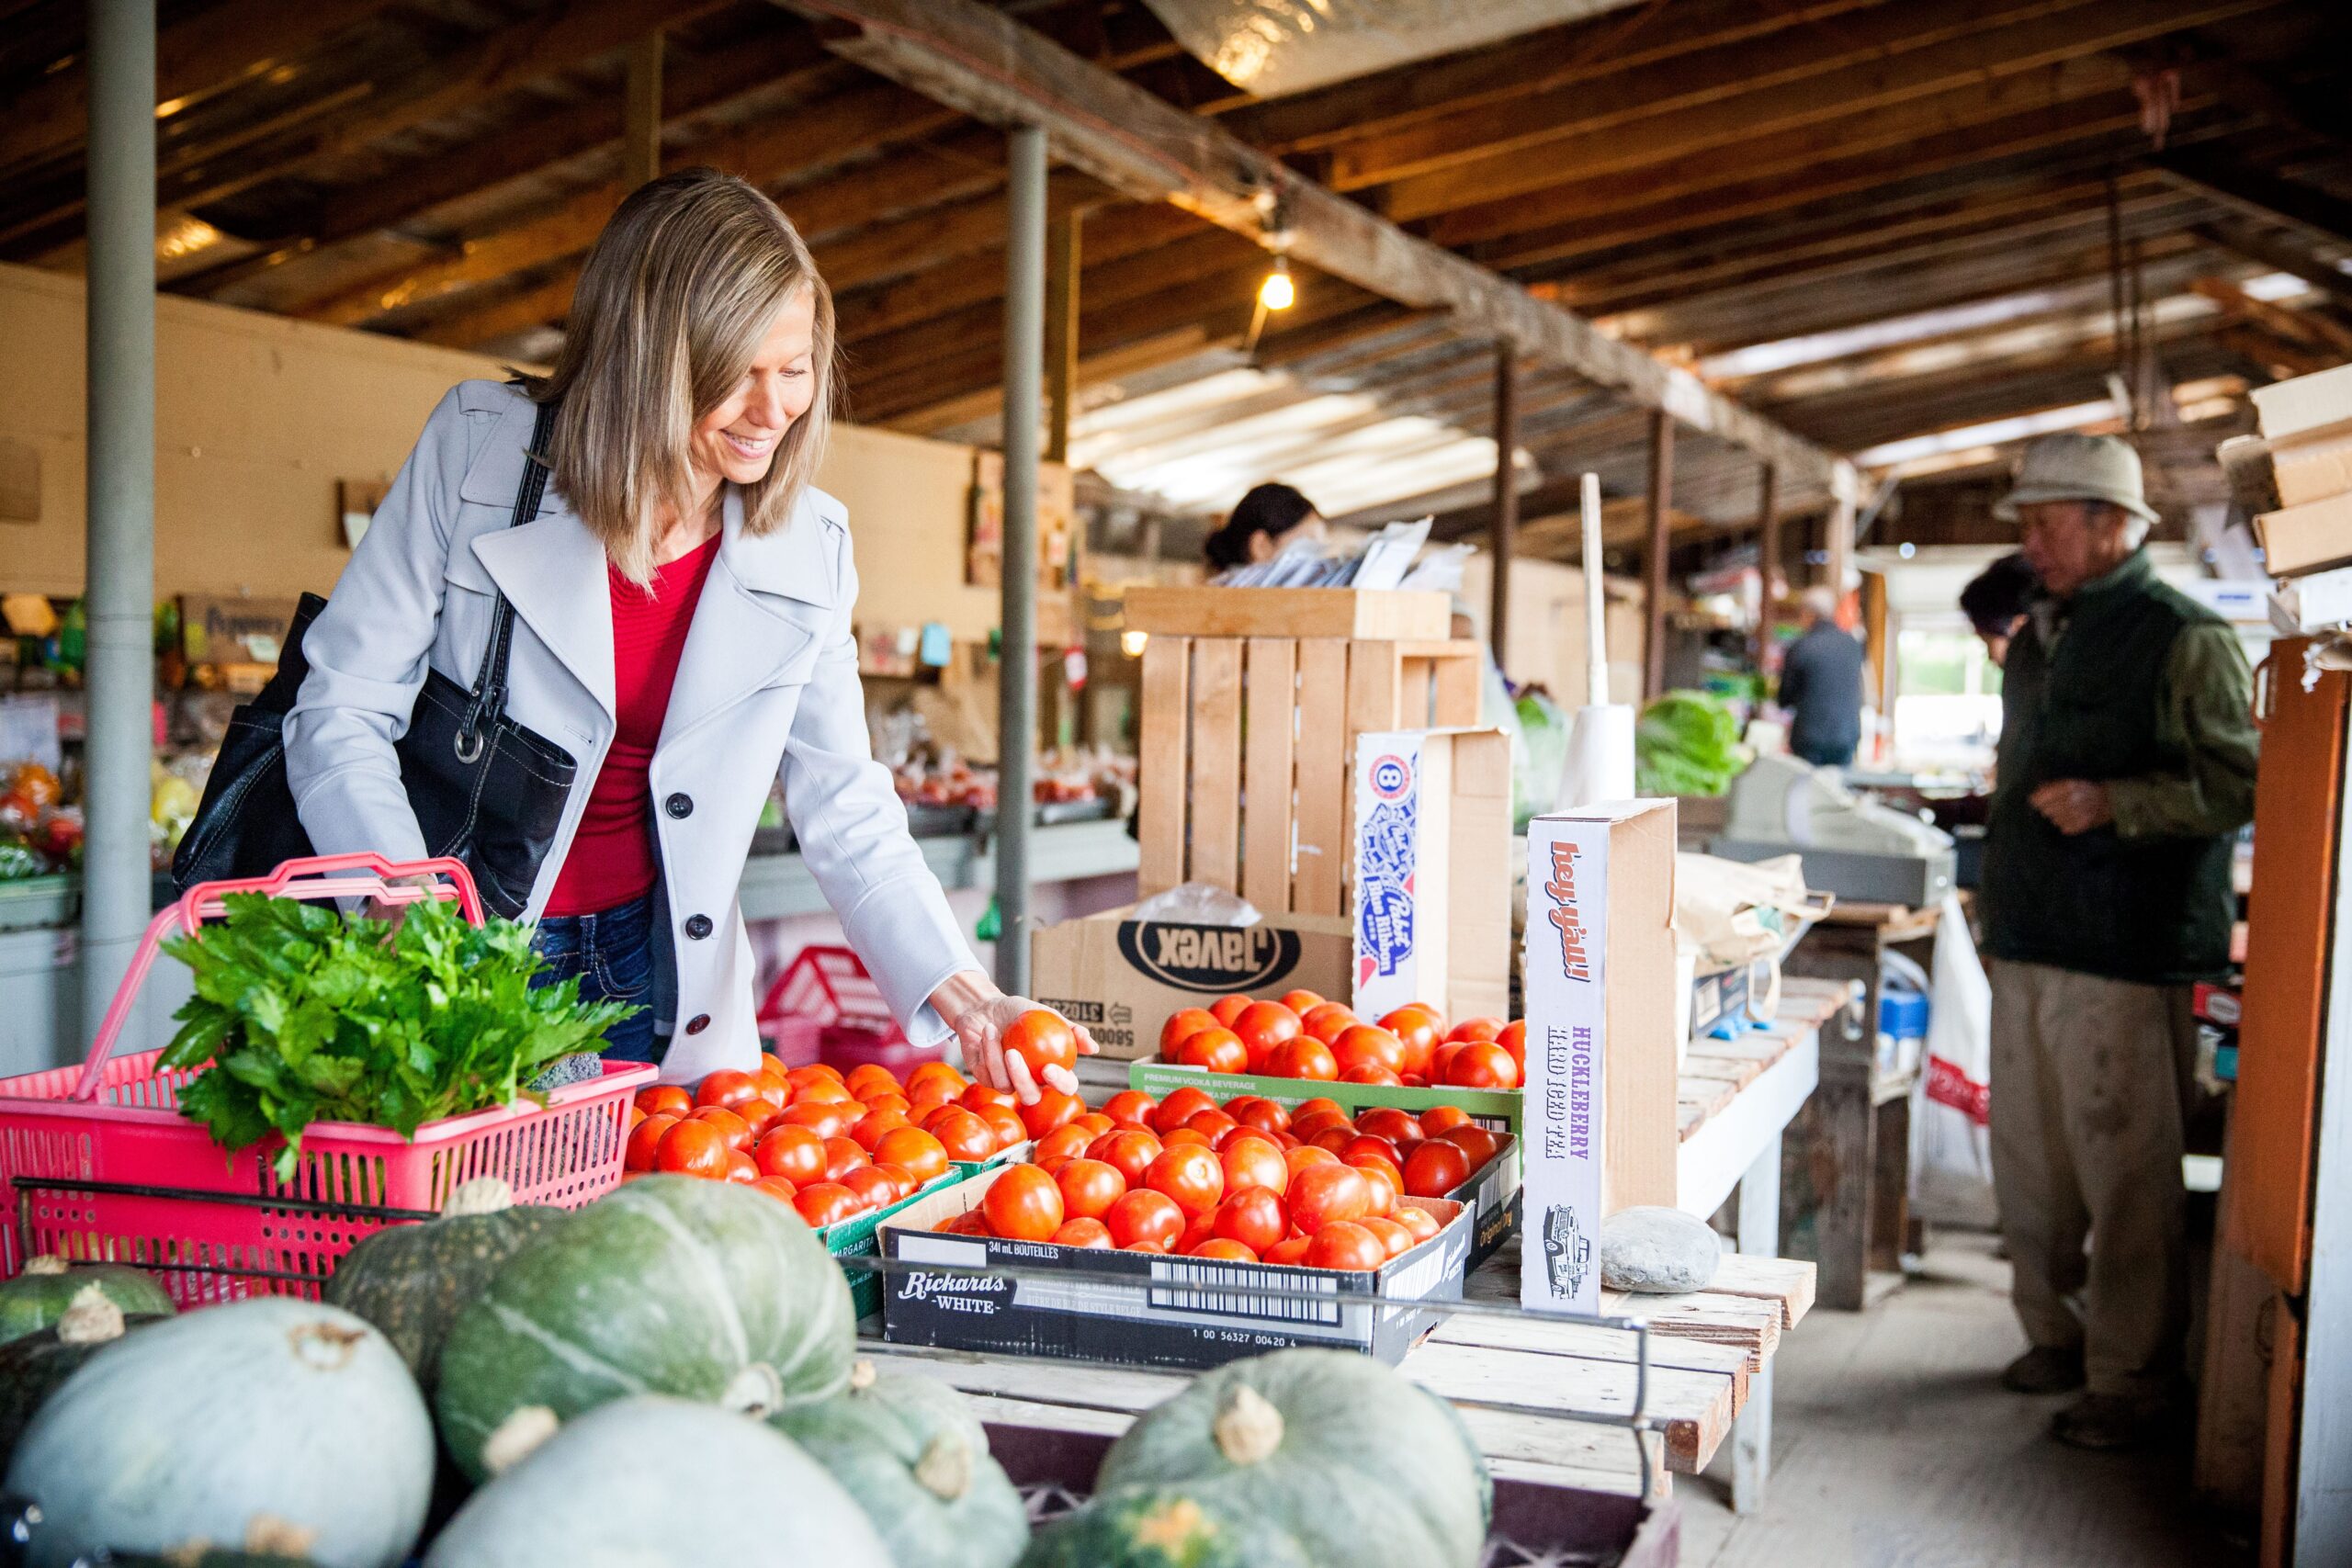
(488, 697)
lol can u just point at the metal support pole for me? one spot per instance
(1661, 538)
(119, 598)
(1502, 539)
(1024, 356)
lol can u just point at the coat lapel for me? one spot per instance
(553, 571)
(766, 601)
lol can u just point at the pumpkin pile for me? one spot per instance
(1245, 1182)
(833, 1146)
(1302, 1036)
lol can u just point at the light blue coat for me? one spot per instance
(767, 684)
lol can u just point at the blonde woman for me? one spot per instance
(684, 602)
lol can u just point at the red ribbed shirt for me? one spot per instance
(611, 860)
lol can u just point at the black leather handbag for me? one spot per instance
(485, 790)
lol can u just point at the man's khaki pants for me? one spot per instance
(2090, 1075)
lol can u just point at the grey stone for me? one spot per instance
(1657, 1251)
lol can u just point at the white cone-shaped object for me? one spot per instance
(1601, 757)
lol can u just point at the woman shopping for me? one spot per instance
(682, 609)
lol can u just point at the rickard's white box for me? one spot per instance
(1599, 1128)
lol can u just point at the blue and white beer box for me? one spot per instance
(1430, 871)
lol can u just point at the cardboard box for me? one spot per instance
(2304, 403)
(2318, 602)
(855, 1237)
(2313, 465)
(2296, 540)
(1430, 863)
(1122, 978)
(1716, 997)
(1600, 1129)
(1146, 1309)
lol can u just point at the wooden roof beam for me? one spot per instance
(990, 66)
(2279, 253)
(2257, 192)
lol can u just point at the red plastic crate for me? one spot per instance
(98, 1164)
(829, 985)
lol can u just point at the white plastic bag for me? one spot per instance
(1951, 1149)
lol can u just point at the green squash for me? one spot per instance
(704, 1290)
(1146, 1527)
(658, 1483)
(39, 1296)
(912, 1452)
(412, 1281)
(1349, 1456)
(270, 1424)
(33, 1368)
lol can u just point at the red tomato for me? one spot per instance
(1042, 1039)
(1151, 1218)
(774, 1088)
(1129, 1150)
(1089, 1188)
(693, 1148)
(1197, 1231)
(1263, 1027)
(1370, 1074)
(1436, 1168)
(1474, 1141)
(1255, 1217)
(897, 1103)
(842, 1157)
(965, 1136)
(1083, 1233)
(1329, 1022)
(794, 1153)
(1304, 1156)
(1252, 1161)
(1345, 1245)
(812, 1072)
(1131, 1108)
(1482, 1064)
(1327, 1194)
(1053, 1109)
(726, 1088)
(1388, 1182)
(1023, 1204)
(1212, 1125)
(731, 1128)
(759, 1115)
(645, 1142)
(980, 1097)
(1180, 1108)
(1309, 1123)
(1364, 1047)
(1399, 1127)
(776, 1186)
(1095, 1123)
(1213, 1050)
(1223, 1140)
(1193, 1178)
(872, 1125)
(1419, 1221)
(1062, 1143)
(1421, 1029)
(666, 1099)
(1334, 1138)
(1004, 1125)
(740, 1168)
(869, 1078)
(912, 1150)
(947, 1079)
(1513, 1039)
(1256, 1110)
(1321, 1105)
(826, 1119)
(1471, 1029)
(1369, 1143)
(1182, 1024)
(928, 1120)
(1440, 1119)
(1219, 1247)
(825, 1203)
(1224, 1010)
(821, 1091)
(1193, 1135)
(1394, 1238)
(1289, 1252)
(1305, 1057)
(902, 1181)
(875, 1190)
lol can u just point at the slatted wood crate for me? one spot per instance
(1246, 738)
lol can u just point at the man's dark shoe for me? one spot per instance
(2045, 1369)
(2108, 1423)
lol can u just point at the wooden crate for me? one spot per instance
(1189, 611)
(1246, 746)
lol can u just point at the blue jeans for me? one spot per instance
(611, 952)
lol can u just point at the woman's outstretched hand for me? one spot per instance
(979, 1014)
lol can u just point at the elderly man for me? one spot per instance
(2125, 768)
(1821, 684)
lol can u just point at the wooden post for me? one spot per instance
(1503, 535)
(1768, 551)
(1063, 245)
(641, 112)
(1838, 545)
(1661, 513)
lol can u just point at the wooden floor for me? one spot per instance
(1895, 1449)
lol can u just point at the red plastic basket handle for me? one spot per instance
(312, 876)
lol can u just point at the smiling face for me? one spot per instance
(737, 440)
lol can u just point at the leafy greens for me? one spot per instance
(1687, 743)
(307, 1015)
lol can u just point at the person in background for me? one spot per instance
(2125, 768)
(1821, 684)
(1263, 523)
(1996, 602)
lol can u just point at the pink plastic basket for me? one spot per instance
(98, 1164)
(829, 985)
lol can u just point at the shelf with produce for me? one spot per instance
(778, 886)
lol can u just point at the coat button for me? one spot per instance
(699, 926)
(697, 1024)
(679, 805)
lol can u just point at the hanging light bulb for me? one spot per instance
(1277, 293)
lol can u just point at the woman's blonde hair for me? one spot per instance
(673, 302)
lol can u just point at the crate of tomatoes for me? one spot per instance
(844, 1149)
(1190, 1234)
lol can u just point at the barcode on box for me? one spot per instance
(1194, 1286)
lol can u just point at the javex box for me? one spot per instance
(1432, 871)
(1599, 1130)
(1121, 978)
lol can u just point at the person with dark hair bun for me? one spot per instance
(1998, 600)
(1260, 525)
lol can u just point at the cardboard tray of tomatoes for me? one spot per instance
(1497, 1110)
(1537, 1526)
(1147, 1308)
